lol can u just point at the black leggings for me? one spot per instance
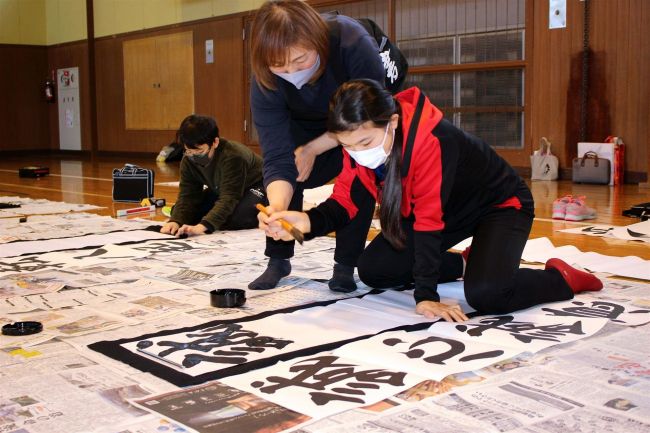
(494, 283)
(350, 239)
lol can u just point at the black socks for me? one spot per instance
(275, 271)
(342, 279)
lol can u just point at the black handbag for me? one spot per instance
(132, 183)
(591, 169)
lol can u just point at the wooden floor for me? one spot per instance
(80, 181)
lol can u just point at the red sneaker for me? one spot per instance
(578, 281)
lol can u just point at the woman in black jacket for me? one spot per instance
(299, 59)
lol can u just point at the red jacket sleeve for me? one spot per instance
(426, 184)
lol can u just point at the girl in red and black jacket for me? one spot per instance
(436, 186)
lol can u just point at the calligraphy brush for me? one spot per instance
(297, 234)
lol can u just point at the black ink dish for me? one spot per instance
(22, 328)
(227, 298)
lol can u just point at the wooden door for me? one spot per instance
(158, 81)
(142, 109)
(176, 71)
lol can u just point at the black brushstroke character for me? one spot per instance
(165, 247)
(522, 331)
(599, 309)
(100, 252)
(28, 264)
(324, 371)
(597, 230)
(241, 343)
(455, 348)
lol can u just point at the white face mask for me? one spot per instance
(300, 78)
(372, 158)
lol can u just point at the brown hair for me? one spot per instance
(280, 25)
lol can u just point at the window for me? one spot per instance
(468, 57)
(376, 10)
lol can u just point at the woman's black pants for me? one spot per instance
(494, 282)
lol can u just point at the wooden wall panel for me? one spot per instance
(110, 93)
(111, 125)
(142, 100)
(23, 112)
(643, 106)
(635, 73)
(176, 83)
(553, 69)
(220, 86)
(618, 70)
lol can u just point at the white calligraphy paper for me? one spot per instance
(528, 332)
(424, 353)
(220, 346)
(105, 254)
(323, 385)
(78, 242)
(619, 310)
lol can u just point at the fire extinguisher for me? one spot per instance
(48, 89)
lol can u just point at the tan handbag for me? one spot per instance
(543, 164)
(591, 169)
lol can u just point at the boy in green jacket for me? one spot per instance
(232, 174)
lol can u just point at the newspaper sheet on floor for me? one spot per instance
(528, 401)
(52, 389)
(42, 227)
(41, 206)
(51, 382)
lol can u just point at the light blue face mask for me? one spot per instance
(300, 78)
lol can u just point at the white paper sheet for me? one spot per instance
(424, 354)
(634, 232)
(221, 346)
(323, 385)
(33, 247)
(527, 332)
(541, 249)
(619, 310)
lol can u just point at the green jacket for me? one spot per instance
(233, 169)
